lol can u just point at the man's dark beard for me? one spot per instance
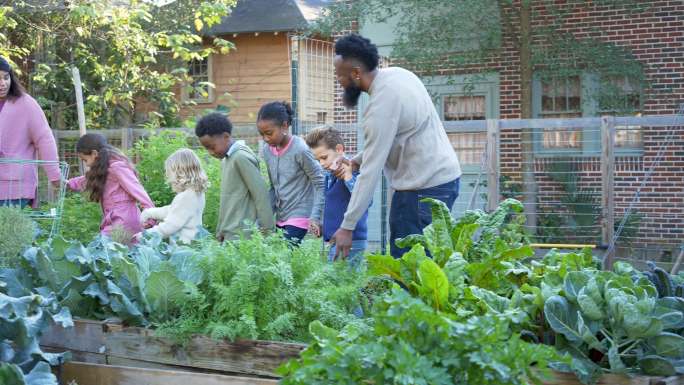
(351, 96)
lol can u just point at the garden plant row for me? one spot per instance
(478, 310)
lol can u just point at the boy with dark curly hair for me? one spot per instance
(244, 195)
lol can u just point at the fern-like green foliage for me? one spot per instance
(260, 288)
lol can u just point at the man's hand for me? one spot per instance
(343, 242)
(315, 228)
(220, 238)
(346, 167)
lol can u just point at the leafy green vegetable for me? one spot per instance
(107, 279)
(24, 314)
(260, 288)
(619, 316)
(164, 291)
(606, 321)
(410, 342)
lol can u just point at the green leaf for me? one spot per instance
(657, 366)
(164, 292)
(573, 283)
(616, 364)
(588, 331)
(668, 345)
(321, 332)
(379, 265)
(434, 285)
(562, 317)
(591, 309)
(17, 283)
(670, 310)
(41, 374)
(187, 266)
(11, 374)
(410, 241)
(639, 322)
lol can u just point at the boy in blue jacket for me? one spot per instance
(327, 146)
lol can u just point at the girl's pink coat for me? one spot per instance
(121, 193)
(24, 134)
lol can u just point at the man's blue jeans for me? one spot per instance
(355, 257)
(408, 215)
(20, 203)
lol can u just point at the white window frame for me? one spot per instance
(591, 139)
(185, 95)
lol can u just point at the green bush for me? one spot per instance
(80, 218)
(16, 233)
(150, 155)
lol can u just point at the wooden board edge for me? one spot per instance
(97, 374)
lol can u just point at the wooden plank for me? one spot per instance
(559, 378)
(465, 125)
(675, 380)
(80, 110)
(85, 336)
(653, 120)
(94, 374)
(79, 356)
(73, 134)
(492, 164)
(516, 124)
(246, 357)
(608, 188)
(119, 361)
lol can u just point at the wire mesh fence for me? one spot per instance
(599, 181)
(573, 189)
(36, 186)
(315, 83)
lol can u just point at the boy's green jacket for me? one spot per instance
(244, 196)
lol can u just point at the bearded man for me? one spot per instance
(403, 135)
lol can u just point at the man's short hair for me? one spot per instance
(357, 47)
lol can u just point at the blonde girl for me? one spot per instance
(183, 217)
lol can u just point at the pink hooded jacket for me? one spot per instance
(121, 194)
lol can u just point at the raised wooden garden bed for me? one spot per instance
(99, 342)
(139, 357)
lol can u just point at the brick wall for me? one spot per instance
(345, 119)
(655, 37)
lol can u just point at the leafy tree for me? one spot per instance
(127, 52)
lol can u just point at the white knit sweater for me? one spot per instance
(182, 218)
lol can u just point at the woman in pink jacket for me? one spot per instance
(24, 135)
(111, 181)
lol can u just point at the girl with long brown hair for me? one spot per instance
(111, 181)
